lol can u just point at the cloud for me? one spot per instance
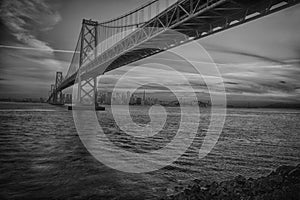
(36, 49)
(27, 64)
(261, 80)
(25, 19)
(241, 53)
(158, 79)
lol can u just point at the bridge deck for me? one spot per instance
(182, 22)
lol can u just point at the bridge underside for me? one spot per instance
(220, 16)
(180, 23)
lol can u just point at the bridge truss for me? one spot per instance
(151, 29)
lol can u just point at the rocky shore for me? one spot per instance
(281, 184)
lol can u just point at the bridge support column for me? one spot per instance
(87, 91)
(87, 88)
(58, 95)
(51, 98)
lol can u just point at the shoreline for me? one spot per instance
(288, 106)
(282, 183)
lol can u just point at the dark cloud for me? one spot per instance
(241, 52)
(230, 83)
(23, 21)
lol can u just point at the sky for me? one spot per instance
(259, 61)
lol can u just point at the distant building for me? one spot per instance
(108, 98)
(203, 104)
(138, 101)
(128, 96)
(102, 97)
(68, 98)
(132, 100)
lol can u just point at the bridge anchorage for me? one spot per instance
(145, 31)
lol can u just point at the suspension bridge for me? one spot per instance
(147, 30)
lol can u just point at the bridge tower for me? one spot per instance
(87, 88)
(51, 101)
(58, 95)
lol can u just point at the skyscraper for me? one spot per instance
(144, 98)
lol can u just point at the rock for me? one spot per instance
(283, 183)
(203, 188)
(284, 170)
(295, 172)
(240, 179)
